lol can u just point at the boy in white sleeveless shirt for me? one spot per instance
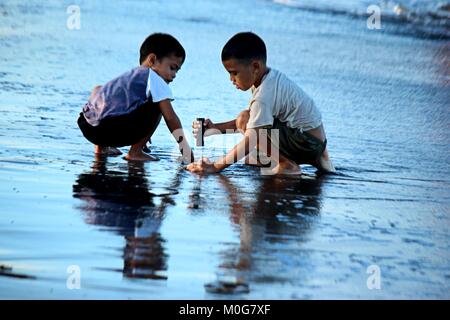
(277, 103)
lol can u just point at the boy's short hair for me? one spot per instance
(162, 45)
(244, 46)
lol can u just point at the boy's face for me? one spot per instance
(242, 75)
(166, 67)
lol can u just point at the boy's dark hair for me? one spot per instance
(162, 45)
(244, 46)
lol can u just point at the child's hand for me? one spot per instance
(207, 124)
(202, 166)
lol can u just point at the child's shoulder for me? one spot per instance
(276, 80)
(280, 75)
(130, 73)
(275, 76)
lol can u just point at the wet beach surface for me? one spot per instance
(156, 231)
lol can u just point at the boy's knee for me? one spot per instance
(242, 120)
(94, 91)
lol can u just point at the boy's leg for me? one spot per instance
(241, 126)
(283, 166)
(242, 120)
(155, 122)
(146, 148)
(286, 166)
(107, 151)
(254, 157)
(136, 152)
(324, 163)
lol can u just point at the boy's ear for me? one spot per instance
(150, 60)
(256, 64)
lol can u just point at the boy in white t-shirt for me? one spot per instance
(277, 103)
(127, 110)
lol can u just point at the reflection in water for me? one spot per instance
(123, 202)
(282, 213)
(195, 198)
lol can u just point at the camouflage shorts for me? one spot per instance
(296, 145)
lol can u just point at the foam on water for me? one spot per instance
(423, 18)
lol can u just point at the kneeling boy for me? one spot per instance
(277, 103)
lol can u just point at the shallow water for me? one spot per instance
(155, 231)
(421, 18)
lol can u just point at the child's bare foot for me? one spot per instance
(325, 164)
(287, 167)
(140, 156)
(107, 151)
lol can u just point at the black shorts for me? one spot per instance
(298, 146)
(124, 130)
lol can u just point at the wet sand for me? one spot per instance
(155, 231)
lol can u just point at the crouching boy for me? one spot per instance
(127, 110)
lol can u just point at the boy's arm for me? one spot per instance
(224, 126)
(239, 151)
(175, 127)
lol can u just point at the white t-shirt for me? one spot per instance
(157, 87)
(278, 97)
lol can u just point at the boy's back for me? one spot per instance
(280, 98)
(119, 96)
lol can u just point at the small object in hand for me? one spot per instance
(201, 131)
